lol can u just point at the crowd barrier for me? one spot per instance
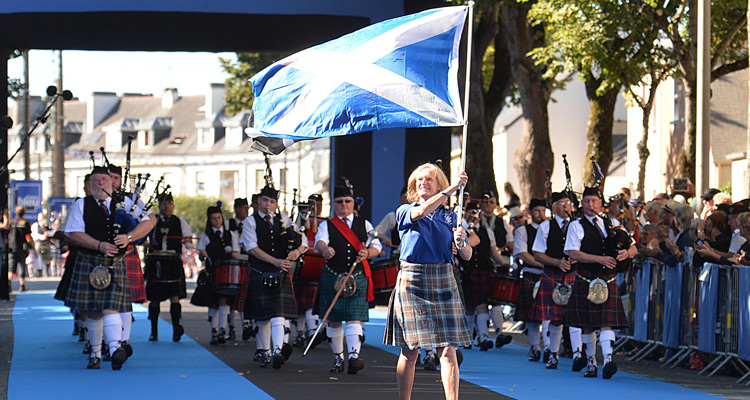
(685, 309)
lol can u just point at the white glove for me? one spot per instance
(228, 249)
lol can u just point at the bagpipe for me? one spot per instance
(618, 238)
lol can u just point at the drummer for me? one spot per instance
(169, 235)
(306, 290)
(216, 245)
(272, 249)
(241, 211)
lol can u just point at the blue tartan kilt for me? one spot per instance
(543, 307)
(83, 297)
(525, 297)
(262, 305)
(354, 308)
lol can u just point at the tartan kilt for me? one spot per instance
(543, 307)
(261, 305)
(305, 294)
(64, 286)
(425, 309)
(83, 297)
(205, 293)
(355, 308)
(135, 275)
(525, 297)
(477, 287)
(581, 313)
(241, 298)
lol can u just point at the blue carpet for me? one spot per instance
(507, 371)
(48, 364)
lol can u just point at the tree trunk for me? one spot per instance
(599, 127)
(643, 153)
(686, 158)
(534, 154)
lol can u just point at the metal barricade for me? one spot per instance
(688, 327)
(649, 298)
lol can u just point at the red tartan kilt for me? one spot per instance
(241, 297)
(580, 312)
(544, 308)
(305, 295)
(525, 297)
(477, 287)
(135, 276)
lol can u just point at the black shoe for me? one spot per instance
(23, 288)
(214, 337)
(318, 339)
(87, 348)
(579, 363)
(430, 363)
(232, 334)
(266, 360)
(278, 360)
(459, 357)
(591, 370)
(153, 337)
(94, 363)
(299, 340)
(609, 369)
(338, 363)
(82, 335)
(105, 354)
(222, 336)
(258, 355)
(534, 354)
(128, 348)
(177, 332)
(545, 357)
(355, 365)
(76, 331)
(247, 330)
(552, 362)
(485, 345)
(286, 350)
(502, 340)
(118, 358)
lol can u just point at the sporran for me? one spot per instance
(350, 285)
(598, 291)
(100, 277)
(271, 282)
(561, 293)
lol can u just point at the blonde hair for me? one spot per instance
(744, 220)
(723, 198)
(434, 172)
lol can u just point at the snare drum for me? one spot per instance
(384, 275)
(229, 277)
(504, 289)
(311, 268)
(163, 266)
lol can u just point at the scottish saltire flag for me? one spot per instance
(399, 73)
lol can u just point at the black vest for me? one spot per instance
(530, 236)
(93, 216)
(215, 248)
(173, 228)
(555, 240)
(345, 253)
(482, 256)
(233, 226)
(270, 240)
(592, 243)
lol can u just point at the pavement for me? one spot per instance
(40, 359)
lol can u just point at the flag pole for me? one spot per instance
(467, 91)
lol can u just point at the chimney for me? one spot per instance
(214, 100)
(169, 97)
(99, 106)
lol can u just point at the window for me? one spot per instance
(205, 138)
(260, 179)
(145, 139)
(234, 137)
(228, 184)
(200, 182)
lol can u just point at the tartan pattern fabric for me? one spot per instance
(261, 305)
(543, 307)
(580, 312)
(64, 286)
(425, 309)
(83, 297)
(135, 275)
(525, 297)
(477, 285)
(305, 294)
(355, 308)
(241, 298)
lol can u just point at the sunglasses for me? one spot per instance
(344, 201)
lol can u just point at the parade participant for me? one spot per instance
(558, 272)
(272, 245)
(169, 235)
(425, 308)
(20, 243)
(99, 284)
(340, 240)
(530, 272)
(388, 229)
(40, 232)
(234, 224)
(589, 243)
(215, 245)
(305, 291)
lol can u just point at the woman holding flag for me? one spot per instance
(425, 309)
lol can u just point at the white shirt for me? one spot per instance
(540, 242)
(249, 239)
(322, 234)
(521, 238)
(75, 222)
(387, 224)
(205, 240)
(737, 242)
(575, 232)
(187, 231)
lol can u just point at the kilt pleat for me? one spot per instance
(543, 307)
(580, 312)
(261, 305)
(525, 297)
(477, 285)
(425, 309)
(64, 286)
(241, 298)
(354, 308)
(82, 296)
(135, 275)
(159, 291)
(305, 294)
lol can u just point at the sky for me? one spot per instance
(120, 72)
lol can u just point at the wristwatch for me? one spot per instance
(130, 238)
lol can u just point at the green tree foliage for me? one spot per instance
(193, 210)
(14, 85)
(239, 90)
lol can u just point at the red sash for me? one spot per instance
(354, 241)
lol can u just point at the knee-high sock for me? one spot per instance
(153, 316)
(533, 328)
(300, 324)
(353, 339)
(212, 320)
(545, 334)
(497, 319)
(95, 328)
(287, 330)
(555, 336)
(112, 331)
(575, 340)
(127, 323)
(175, 311)
(311, 320)
(277, 332)
(470, 322)
(589, 340)
(606, 341)
(223, 317)
(337, 338)
(263, 337)
(483, 330)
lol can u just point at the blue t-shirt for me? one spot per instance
(427, 240)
